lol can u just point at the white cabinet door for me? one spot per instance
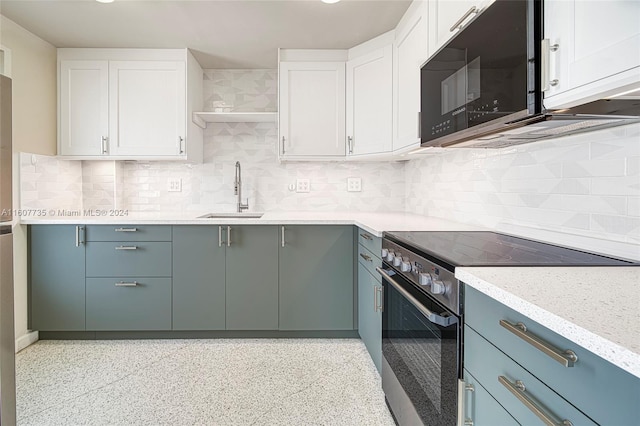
(147, 103)
(443, 17)
(312, 109)
(369, 103)
(84, 108)
(409, 53)
(598, 49)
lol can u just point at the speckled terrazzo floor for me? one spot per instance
(199, 382)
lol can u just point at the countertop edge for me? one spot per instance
(614, 353)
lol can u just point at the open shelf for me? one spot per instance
(202, 118)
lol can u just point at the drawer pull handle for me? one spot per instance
(566, 358)
(126, 229)
(366, 257)
(127, 248)
(518, 390)
(462, 388)
(366, 237)
(124, 284)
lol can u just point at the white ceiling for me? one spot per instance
(222, 34)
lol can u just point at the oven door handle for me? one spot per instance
(431, 316)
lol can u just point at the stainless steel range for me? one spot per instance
(423, 311)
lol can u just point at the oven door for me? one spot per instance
(421, 355)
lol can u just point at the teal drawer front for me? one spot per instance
(369, 261)
(486, 363)
(128, 233)
(603, 391)
(370, 241)
(481, 408)
(134, 259)
(369, 314)
(118, 304)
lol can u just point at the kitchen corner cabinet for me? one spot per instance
(498, 355)
(57, 277)
(409, 53)
(129, 104)
(316, 277)
(311, 109)
(369, 103)
(583, 64)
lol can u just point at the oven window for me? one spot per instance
(423, 356)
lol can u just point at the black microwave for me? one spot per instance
(485, 76)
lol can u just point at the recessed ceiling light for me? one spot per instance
(330, 1)
(104, 1)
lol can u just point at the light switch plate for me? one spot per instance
(302, 185)
(174, 185)
(354, 184)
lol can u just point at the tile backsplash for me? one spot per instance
(581, 191)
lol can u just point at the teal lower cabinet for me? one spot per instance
(479, 408)
(199, 277)
(370, 314)
(252, 278)
(56, 277)
(128, 304)
(316, 277)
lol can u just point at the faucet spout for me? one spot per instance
(237, 189)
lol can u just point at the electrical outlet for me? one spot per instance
(302, 185)
(354, 184)
(174, 185)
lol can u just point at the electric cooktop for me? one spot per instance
(484, 248)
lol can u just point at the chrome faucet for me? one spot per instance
(238, 189)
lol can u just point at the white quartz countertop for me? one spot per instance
(376, 223)
(596, 307)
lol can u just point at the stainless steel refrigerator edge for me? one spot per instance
(7, 333)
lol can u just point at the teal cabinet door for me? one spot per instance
(252, 278)
(369, 314)
(57, 274)
(199, 277)
(316, 277)
(480, 408)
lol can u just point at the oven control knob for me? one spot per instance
(405, 266)
(424, 278)
(438, 287)
(397, 260)
(385, 252)
(390, 256)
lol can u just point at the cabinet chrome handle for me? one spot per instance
(105, 140)
(283, 145)
(518, 390)
(282, 236)
(125, 284)
(566, 358)
(127, 248)
(366, 257)
(462, 388)
(377, 301)
(78, 240)
(219, 236)
(458, 25)
(366, 237)
(228, 236)
(350, 144)
(545, 64)
(181, 144)
(126, 229)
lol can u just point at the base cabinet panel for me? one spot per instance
(128, 304)
(369, 314)
(480, 407)
(316, 278)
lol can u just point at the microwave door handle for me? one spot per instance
(431, 316)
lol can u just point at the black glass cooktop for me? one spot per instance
(480, 248)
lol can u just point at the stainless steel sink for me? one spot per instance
(231, 216)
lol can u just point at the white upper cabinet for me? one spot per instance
(129, 104)
(446, 17)
(369, 103)
(84, 107)
(593, 50)
(311, 109)
(147, 108)
(409, 53)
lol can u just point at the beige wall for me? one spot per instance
(33, 71)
